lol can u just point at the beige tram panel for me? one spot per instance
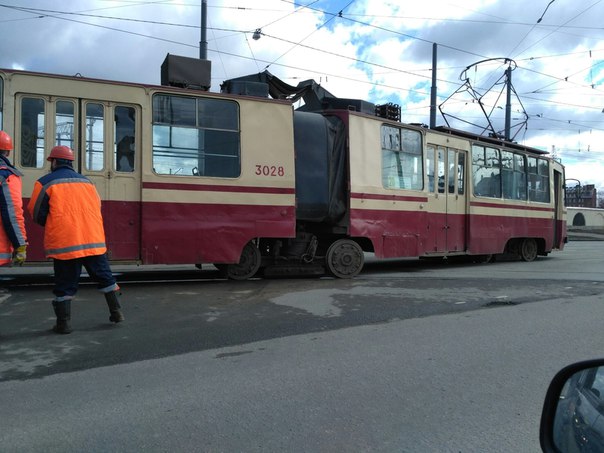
(366, 176)
(266, 128)
(366, 161)
(55, 88)
(267, 141)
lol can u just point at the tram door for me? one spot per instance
(447, 184)
(109, 154)
(105, 138)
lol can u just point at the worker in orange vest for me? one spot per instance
(67, 204)
(13, 239)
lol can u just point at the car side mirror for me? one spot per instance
(572, 419)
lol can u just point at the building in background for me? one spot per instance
(581, 196)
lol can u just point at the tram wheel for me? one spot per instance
(528, 250)
(345, 258)
(248, 265)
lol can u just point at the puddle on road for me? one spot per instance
(324, 302)
(28, 360)
(318, 302)
(329, 302)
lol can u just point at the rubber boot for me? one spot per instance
(63, 313)
(115, 314)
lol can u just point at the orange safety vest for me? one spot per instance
(12, 222)
(67, 204)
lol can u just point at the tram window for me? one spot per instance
(513, 174)
(95, 137)
(391, 138)
(486, 168)
(124, 143)
(478, 164)
(64, 115)
(494, 163)
(461, 170)
(441, 169)
(543, 166)
(507, 174)
(532, 165)
(217, 114)
(451, 172)
(412, 141)
(207, 146)
(33, 114)
(174, 110)
(430, 167)
(402, 166)
(520, 176)
(538, 180)
(507, 161)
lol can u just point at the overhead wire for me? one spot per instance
(377, 27)
(553, 31)
(56, 14)
(333, 75)
(257, 9)
(59, 16)
(53, 13)
(219, 55)
(566, 78)
(310, 34)
(259, 30)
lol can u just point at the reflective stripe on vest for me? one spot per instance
(10, 206)
(6, 257)
(75, 248)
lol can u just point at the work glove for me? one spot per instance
(19, 255)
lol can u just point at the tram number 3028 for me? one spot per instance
(270, 170)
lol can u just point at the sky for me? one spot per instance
(380, 51)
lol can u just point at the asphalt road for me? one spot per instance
(409, 356)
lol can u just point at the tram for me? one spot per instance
(251, 184)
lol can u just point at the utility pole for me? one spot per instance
(433, 89)
(508, 105)
(203, 43)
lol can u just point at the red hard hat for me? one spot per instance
(6, 143)
(61, 152)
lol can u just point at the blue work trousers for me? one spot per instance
(67, 275)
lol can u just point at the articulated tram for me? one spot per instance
(250, 184)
